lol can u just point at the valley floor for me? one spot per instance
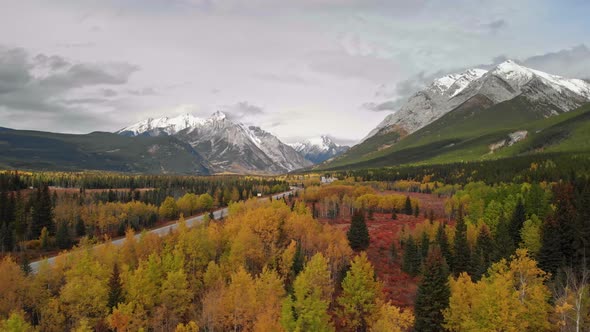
(398, 287)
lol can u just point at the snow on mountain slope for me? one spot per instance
(504, 82)
(319, 149)
(427, 105)
(159, 126)
(228, 146)
(282, 154)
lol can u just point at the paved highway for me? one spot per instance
(164, 229)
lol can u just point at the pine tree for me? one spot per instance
(424, 245)
(408, 206)
(412, 259)
(80, 227)
(517, 221)
(583, 226)
(462, 257)
(62, 236)
(483, 253)
(504, 243)
(433, 293)
(42, 211)
(115, 288)
(358, 234)
(443, 243)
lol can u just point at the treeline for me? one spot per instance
(532, 168)
(13, 180)
(267, 267)
(48, 218)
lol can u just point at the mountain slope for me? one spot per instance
(228, 146)
(543, 94)
(511, 128)
(320, 150)
(98, 151)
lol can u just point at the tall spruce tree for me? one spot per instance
(443, 243)
(424, 245)
(559, 233)
(358, 234)
(408, 206)
(462, 252)
(115, 288)
(483, 254)
(62, 236)
(517, 221)
(42, 211)
(433, 293)
(504, 243)
(412, 260)
(582, 245)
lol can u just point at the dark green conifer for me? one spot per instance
(358, 234)
(433, 294)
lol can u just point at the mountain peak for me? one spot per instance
(218, 116)
(504, 82)
(319, 149)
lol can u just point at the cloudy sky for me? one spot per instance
(296, 68)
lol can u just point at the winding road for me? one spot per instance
(160, 231)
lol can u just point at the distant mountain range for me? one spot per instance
(228, 146)
(183, 144)
(25, 149)
(459, 116)
(477, 114)
(320, 149)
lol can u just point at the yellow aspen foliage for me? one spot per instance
(127, 317)
(13, 286)
(269, 294)
(52, 317)
(287, 257)
(308, 309)
(391, 319)
(15, 323)
(85, 293)
(175, 295)
(360, 294)
(239, 302)
(83, 326)
(513, 297)
(188, 327)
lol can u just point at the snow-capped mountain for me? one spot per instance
(161, 126)
(320, 149)
(504, 82)
(228, 146)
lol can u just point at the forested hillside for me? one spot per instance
(409, 249)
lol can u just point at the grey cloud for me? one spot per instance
(75, 45)
(108, 92)
(343, 65)
(382, 107)
(52, 95)
(495, 26)
(573, 62)
(243, 111)
(85, 74)
(281, 78)
(54, 62)
(142, 92)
